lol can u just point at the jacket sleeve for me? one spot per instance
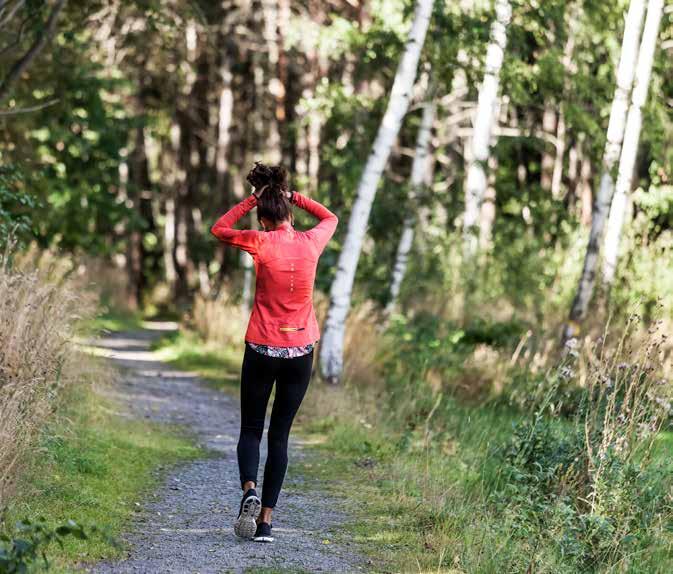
(247, 239)
(322, 232)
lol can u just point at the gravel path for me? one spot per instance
(186, 525)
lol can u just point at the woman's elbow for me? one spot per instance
(214, 231)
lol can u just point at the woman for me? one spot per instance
(281, 334)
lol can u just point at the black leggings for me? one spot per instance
(257, 377)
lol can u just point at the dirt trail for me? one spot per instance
(185, 527)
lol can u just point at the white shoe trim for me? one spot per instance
(246, 525)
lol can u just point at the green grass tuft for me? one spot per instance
(94, 465)
(218, 365)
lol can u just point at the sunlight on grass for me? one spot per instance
(217, 364)
(94, 467)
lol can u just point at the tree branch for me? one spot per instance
(40, 42)
(35, 108)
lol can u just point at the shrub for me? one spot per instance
(26, 545)
(38, 312)
(587, 486)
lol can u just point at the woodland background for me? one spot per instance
(127, 128)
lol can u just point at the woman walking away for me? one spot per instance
(281, 333)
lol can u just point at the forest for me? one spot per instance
(496, 305)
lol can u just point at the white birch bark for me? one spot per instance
(634, 121)
(225, 112)
(485, 118)
(247, 291)
(275, 87)
(615, 135)
(420, 169)
(331, 352)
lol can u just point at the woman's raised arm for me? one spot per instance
(246, 239)
(322, 232)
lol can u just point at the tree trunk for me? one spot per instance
(331, 355)
(487, 210)
(485, 117)
(224, 120)
(547, 163)
(634, 121)
(584, 188)
(141, 193)
(615, 134)
(272, 12)
(419, 178)
(568, 49)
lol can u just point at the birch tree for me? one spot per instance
(615, 135)
(485, 117)
(420, 169)
(331, 352)
(634, 122)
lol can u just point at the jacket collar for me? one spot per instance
(284, 225)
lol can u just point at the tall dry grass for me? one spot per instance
(221, 320)
(41, 301)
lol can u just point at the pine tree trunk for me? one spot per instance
(634, 121)
(615, 134)
(139, 180)
(485, 118)
(331, 355)
(419, 178)
(547, 164)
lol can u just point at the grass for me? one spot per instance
(217, 364)
(94, 465)
(406, 489)
(113, 320)
(422, 497)
(397, 482)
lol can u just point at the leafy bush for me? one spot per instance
(15, 206)
(27, 544)
(463, 360)
(587, 486)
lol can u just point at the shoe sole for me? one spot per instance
(246, 525)
(263, 538)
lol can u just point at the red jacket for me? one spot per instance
(285, 264)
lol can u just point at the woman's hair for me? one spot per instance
(272, 204)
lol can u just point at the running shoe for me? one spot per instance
(263, 533)
(245, 525)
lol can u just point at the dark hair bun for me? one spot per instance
(272, 204)
(262, 175)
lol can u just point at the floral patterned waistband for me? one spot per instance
(282, 352)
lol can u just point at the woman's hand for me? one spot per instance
(258, 192)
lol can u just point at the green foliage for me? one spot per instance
(15, 206)
(546, 493)
(94, 465)
(25, 545)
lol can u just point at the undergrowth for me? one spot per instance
(95, 467)
(481, 448)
